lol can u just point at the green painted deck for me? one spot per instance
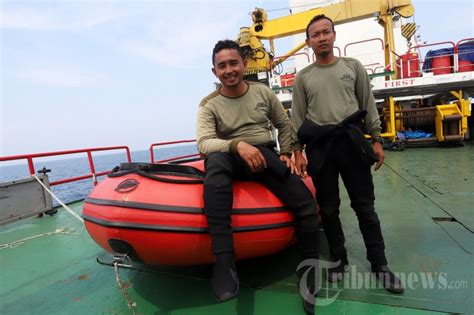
(58, 274)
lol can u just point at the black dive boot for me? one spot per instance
(309, 283)
(225, 282)
(335, 274)
(309, 270)
(390, 282)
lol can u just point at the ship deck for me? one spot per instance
(424, 198)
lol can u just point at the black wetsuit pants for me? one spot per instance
(342, 158)
(222, 168)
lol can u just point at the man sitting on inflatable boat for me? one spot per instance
(234, 126)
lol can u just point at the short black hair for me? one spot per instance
(317, 18)
(226, 44)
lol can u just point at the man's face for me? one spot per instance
(229, 67)
(321, 37)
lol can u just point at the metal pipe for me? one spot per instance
(152, 153)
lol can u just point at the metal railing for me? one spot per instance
(288, 56)
(363, 42)
(152, 152)
(334, 48)
(450, 68)
(457, 54)
(274, 64)
(397, 65)
(93, 174)
(370, 67)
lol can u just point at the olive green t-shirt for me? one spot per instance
(327, 94)
(223, 121)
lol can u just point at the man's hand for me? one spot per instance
(300, 164)
(289, 163)
(378, 150)
(252, 156)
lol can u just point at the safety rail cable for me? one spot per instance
(421, 60)
(74, 214)
(398, 64)
(361, 42)
(466, 52)
(457, 54)
(93, 174)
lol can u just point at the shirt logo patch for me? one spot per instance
(347, 78)
(261, 107)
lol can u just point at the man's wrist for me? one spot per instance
(297, 153)
(233, 145)
(377, 139)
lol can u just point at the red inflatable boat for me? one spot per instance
(154, 213)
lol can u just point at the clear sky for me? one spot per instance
(77, 74)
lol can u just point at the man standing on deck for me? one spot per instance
(332, 106)
(234, 133)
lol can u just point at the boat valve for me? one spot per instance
(44, 170)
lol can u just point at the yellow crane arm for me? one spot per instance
(350, 10)
(344, 12)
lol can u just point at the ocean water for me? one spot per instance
(72, 167)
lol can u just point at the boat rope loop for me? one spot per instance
(130, 303)
(68, 231)
(161, 172)
(58, 200)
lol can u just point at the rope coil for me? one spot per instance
(67, 231)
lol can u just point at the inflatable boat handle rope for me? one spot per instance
(143, 169)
